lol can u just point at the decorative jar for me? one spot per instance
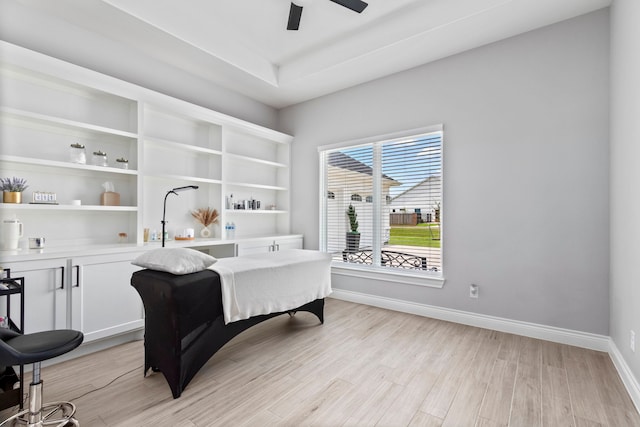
(100, 158)
(122, 163)
(77, 154)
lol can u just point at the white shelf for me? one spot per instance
(65, 165)
(182, 147)
(260, 186)
(255, 211)
(185, 178)
(43, 118)
(47, 207)
(256, 160)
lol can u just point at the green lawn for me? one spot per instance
(424, 235)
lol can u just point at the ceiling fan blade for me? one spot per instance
(355, 5)
(295, 13)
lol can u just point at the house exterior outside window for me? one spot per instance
(393, 185)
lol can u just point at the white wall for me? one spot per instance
(47, 34)
(625, 178)
(526, 135)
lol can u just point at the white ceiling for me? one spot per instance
(244, 45)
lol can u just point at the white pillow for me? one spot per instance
(174, 260)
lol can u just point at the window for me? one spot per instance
(385, 212)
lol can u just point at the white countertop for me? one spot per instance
(66, 251)
(49, 252)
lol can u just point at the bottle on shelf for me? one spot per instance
(230, 230)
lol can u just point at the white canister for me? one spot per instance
(12, 231)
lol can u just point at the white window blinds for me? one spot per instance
(393, 191)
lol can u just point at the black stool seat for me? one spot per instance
(17, 349)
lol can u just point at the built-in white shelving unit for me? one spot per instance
(46, 105)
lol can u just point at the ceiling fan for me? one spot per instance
(295, 12)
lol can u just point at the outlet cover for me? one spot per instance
(473, 291)
(632, 341)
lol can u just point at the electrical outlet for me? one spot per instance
(632, 341)
(474, 290)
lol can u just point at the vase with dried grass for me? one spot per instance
(206, 217)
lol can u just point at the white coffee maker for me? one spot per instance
(10, 233)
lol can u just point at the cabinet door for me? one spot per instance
(104, 302)
(45, 294)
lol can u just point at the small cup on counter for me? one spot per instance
(36, 242)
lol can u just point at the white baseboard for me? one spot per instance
(533, 330)
(630, 382)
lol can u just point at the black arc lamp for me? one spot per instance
(164, 210)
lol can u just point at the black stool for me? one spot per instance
(18, 349)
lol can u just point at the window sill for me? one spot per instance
(407, 277)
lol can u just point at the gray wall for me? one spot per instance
(625, 178)
(47, 34)
(526, 170)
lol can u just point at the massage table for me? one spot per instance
(185, 319)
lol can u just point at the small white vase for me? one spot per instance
(205, 232)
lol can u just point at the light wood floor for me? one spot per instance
(365, 366)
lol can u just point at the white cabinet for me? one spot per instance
(46, 285)
(255, 246)
(103, 301)
(91, 294)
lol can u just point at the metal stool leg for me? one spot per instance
(57, 414)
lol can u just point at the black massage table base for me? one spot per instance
(211, 339)
(184, 322)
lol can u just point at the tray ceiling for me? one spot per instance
(244, 45)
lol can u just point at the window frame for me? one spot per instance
(374, 272)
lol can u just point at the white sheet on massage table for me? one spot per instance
(272, 282)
